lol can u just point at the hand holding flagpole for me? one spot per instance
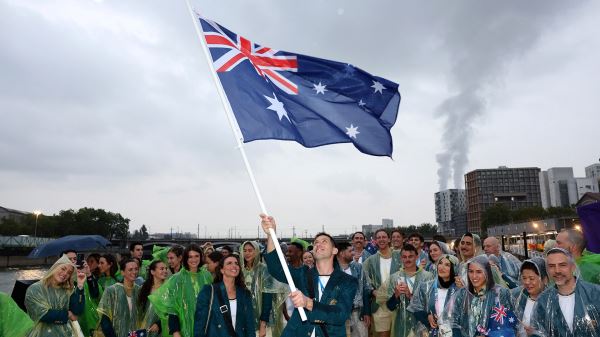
(240, 146)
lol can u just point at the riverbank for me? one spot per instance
(8, 276)
(17, 261)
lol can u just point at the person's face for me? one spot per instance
(249, 252)
(466, 247)
(137, 252)
(225, 252)
(92, 263)
(490, 246)
(346, 255)
(308, 259)
(443, 268)
(397, 240)
(477, 275)
(323, 248)
(231, 267)
(174, 260)
(409, 259)
(358, 241)
(383, 240)
(131, 271)
(103, 265)
(292, 253)
(63, 274)
(435, 252)
(211, 265)
(193, 260)
(562, 241)
(160, 272)
(560, 268)
(531, 282)
(416, 242)
(72, 257)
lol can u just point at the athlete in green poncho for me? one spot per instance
(14, 322)
(118, 307)
(155, 278)
(176, 299)
(53, 303)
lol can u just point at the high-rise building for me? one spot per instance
(514, 187)
(451, 212)
(593, 171)
(558, 187)
(387, 223)
(585, 185)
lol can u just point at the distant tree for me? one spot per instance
(528, 214)
(496, 215)
(144, 233)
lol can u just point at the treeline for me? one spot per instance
(499, 214)
(425, 229)
(69, 222)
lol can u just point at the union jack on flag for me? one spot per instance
(499, 313)
(281, 95)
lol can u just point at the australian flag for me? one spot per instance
(502, 322)
(138, 333)
(281, 95)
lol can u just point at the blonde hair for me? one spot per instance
(48, 279)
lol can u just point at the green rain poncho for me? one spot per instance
(372, 272)
(89, 319)
(14, 322)
(178, 297)
(404, 323)
(41, 298)
(114, 305)
(259, 282)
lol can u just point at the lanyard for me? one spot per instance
(322, 287)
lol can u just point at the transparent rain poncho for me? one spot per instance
(462, 267)
(14, 322)
(425, 297)
(432, 266)
(114, 305)
(89, 319)
(41, 297)
(178, 295)
(372, 273)
(548, 319)
(470, 312)
(404, 323)
(521, 295)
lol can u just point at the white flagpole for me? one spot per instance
(240, 146)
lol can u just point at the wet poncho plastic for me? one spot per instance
(372, 272)
(589, 266)
(404, 323)
(258, 282)
(40, 298)
(432, 265)
(89, 319)
(149, 317)
(510, 267)
(14, 322)
(470, 313)
(521, 295)
(462, 266)
(425, 296)
(114, 305)
(548, 320)
(177, 296)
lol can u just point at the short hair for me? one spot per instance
(359, 232)
(565, 252)
(341, 246)
(227, 248)
(215, 256)
(124, 262)
(440, 238)
(416, 235)
(327, 235)
(68, 251)
(192, 247)
(177, 250)
(397, 230)
(133, 244)
(576, 237)
(297, 245)
(409, 247)
(382, 230)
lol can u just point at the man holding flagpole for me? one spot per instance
(326, 293)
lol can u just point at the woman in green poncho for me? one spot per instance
(156, 276)
(176, 299)
(118, 308)
(107, 265)
(14, 322)
(53, 303)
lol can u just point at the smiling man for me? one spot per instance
(572, 306)
(358, 242)
(326, 293)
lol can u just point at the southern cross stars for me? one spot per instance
(277, 106)
(361, 103)
(352, 131)
(378, 87)
(319, 88)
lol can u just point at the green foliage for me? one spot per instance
(499, 214)
(141, 234)
(70, 222)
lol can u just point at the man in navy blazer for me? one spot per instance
(329, 303)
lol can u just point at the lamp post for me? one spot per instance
(37, 214)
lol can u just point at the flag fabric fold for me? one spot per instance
(286, 96)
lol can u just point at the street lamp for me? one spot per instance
(37, 214)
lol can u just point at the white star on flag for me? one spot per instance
(352, 131)
(511, 320)
(378, 87)
(361, 103)
(277, 106)
(319, 88)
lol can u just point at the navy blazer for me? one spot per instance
(331, 311)
(244, 324)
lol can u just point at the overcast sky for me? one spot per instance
(110, 104)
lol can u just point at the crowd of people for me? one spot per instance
(406, 288)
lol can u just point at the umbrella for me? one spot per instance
(75, 242)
